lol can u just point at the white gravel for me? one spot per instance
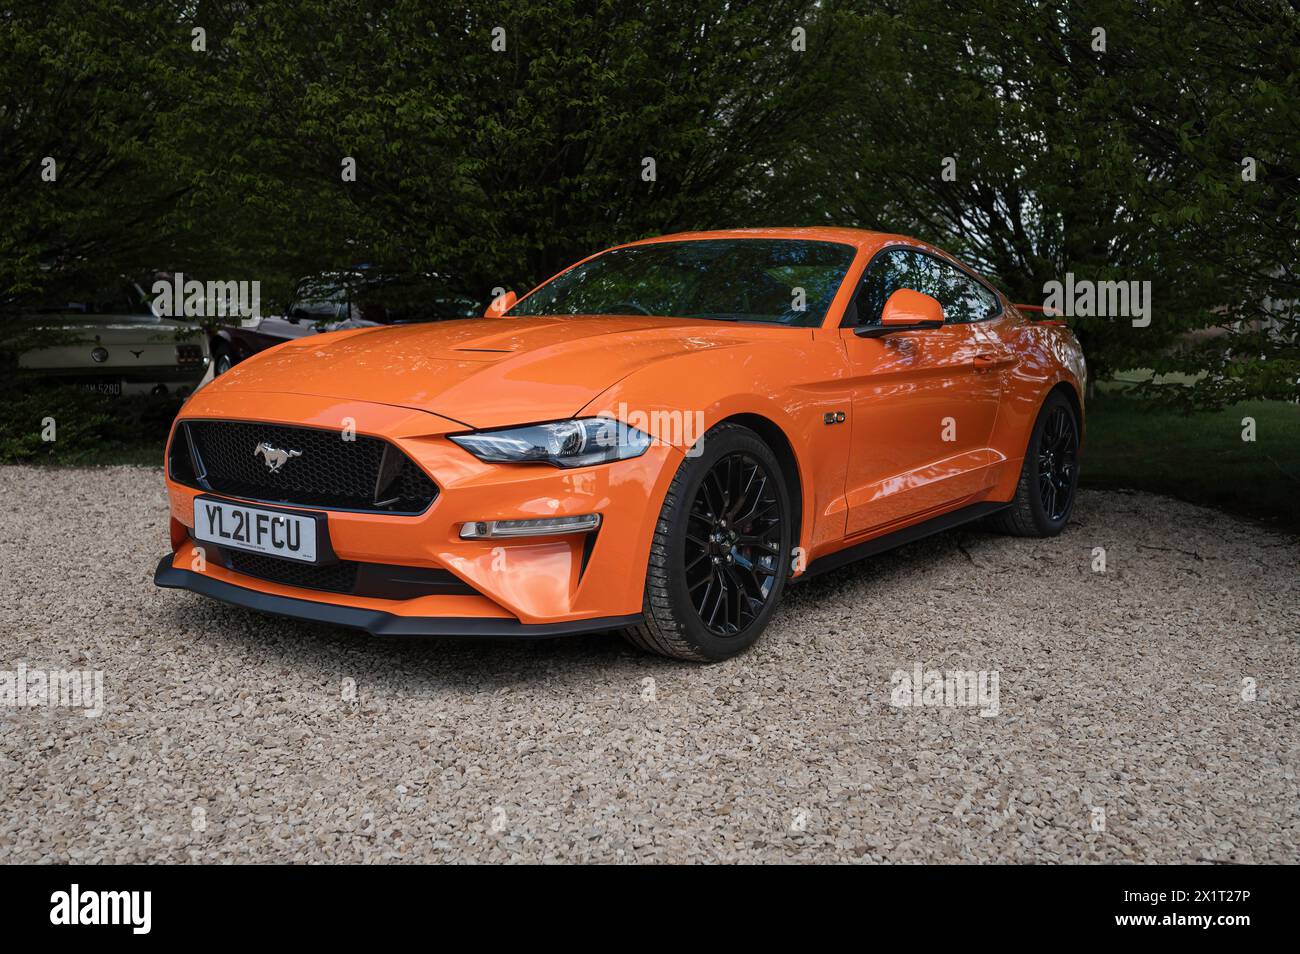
(226, 735)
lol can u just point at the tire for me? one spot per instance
(702, 551)
(221, 362)
(1034, 512)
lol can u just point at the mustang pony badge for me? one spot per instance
(274, 457)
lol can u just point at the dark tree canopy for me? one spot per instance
(496, 142)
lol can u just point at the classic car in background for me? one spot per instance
(334, 301)
(116, 343)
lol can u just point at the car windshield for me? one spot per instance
(773, 281)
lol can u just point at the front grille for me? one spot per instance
(314, 467)
(338, 577)
(376, 580)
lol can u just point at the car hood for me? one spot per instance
(482, 372)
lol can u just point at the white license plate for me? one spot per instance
(251, 528)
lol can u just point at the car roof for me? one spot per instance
(858, 238)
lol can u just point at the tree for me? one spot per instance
(1098, 139)
(77, 189)
(496, 142)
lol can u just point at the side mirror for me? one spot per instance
(294, 314)
(906, 310)
(501, 304)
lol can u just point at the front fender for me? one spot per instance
(793, 385)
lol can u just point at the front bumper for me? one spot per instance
(375, 622)
(526, 586)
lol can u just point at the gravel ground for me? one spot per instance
(1125, 728)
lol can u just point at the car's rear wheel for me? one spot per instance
(721, 550)
(1049, 476)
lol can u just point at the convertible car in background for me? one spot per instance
(658, 440)
(337, 301)
(114, 342)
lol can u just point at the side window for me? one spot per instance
(986, 303)
(889, 271)
(963, 299)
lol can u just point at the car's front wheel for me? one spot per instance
(721, 550)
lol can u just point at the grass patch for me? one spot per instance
(1200, 457)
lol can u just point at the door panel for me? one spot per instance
(924, 402)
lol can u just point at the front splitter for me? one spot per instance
(376, 622)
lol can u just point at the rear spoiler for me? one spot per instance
(1052, 320)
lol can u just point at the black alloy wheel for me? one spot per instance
(733, 542)
(1058, 451)
(722, 549)
(1049, 476)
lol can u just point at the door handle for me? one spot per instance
(992, 359)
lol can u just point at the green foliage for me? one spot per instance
(1115, 164)
(85, 85)
(89, 428)
(497, 168)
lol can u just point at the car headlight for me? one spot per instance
(577, 443)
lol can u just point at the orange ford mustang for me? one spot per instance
(657, 441)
